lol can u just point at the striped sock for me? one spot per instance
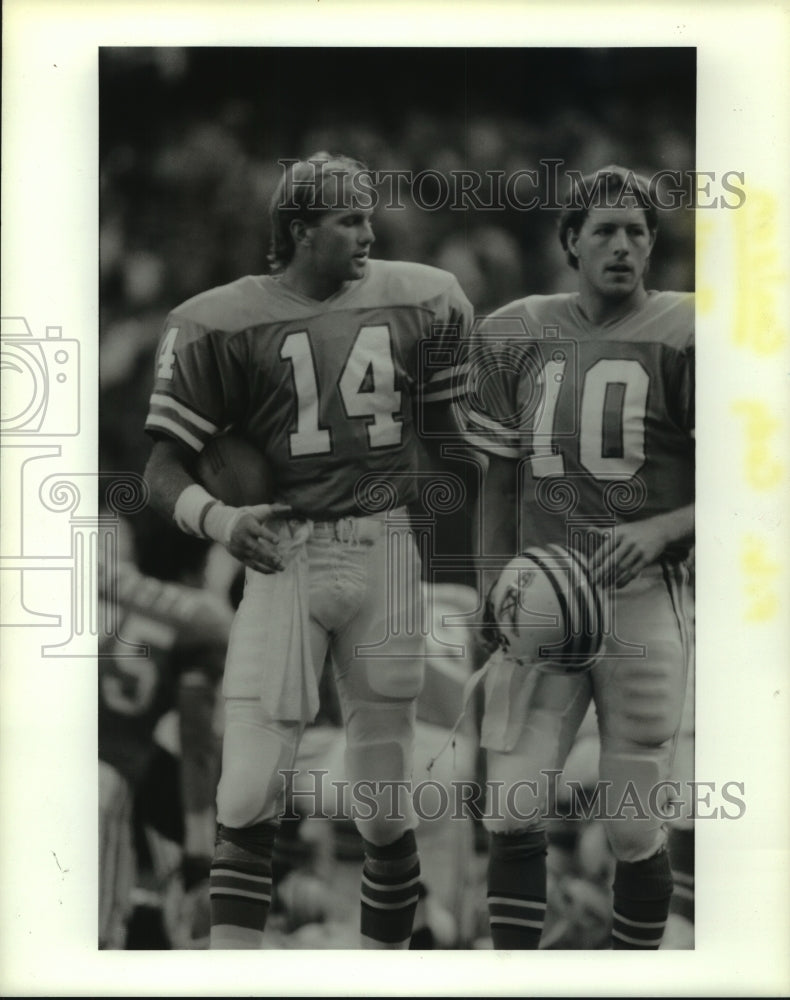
(681, 851)
(390, 889)
(517, 889)
(290, 851)
(241, 885)
(642, 891)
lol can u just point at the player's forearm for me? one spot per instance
(176, 495)
(167, 475)
(179, 497)
(676, 526)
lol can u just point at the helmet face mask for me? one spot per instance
(548, 611)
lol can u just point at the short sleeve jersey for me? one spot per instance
(179, 628)
(601, 416)
(327, 390)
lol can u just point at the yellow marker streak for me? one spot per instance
(704, 290)
(763, 470)
(761, 573)
(759, 321)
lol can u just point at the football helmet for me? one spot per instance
(547, 611)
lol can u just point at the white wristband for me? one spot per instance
(197, 512)
(220, 520)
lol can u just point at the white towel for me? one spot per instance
(288, 683)
(269, 654)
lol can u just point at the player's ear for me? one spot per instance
(301, 233)
(572, 240)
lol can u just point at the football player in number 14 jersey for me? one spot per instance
(319, 365)
(584, 403)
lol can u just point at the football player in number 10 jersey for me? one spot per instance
(319, 365)
(585, 405)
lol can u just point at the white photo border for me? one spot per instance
(48, 780)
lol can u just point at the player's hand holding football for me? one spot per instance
(254, 541)
(636, 545)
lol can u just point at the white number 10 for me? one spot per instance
(366, 385)
(611, 420)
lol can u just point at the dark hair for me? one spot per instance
(605, 188)
(307, 189)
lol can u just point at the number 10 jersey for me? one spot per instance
(601, 416)
(326, 389)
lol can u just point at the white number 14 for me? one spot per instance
(366, 385)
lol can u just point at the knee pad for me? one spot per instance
(252, 784)
(379, 750)
(379, 740)
(681, 794)
(522, 784)
(635, 840)
(637, 791)
(399, 677)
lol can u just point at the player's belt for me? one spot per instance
(361, 530)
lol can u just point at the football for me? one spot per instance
(234, 471)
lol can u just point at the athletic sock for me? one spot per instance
(517, 889)
(422, 937)
(681, 853)
(241, 885)
(642, 891)
(290, 851)
(390, 889)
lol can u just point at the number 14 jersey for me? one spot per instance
(326, 389)
(601, 415)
